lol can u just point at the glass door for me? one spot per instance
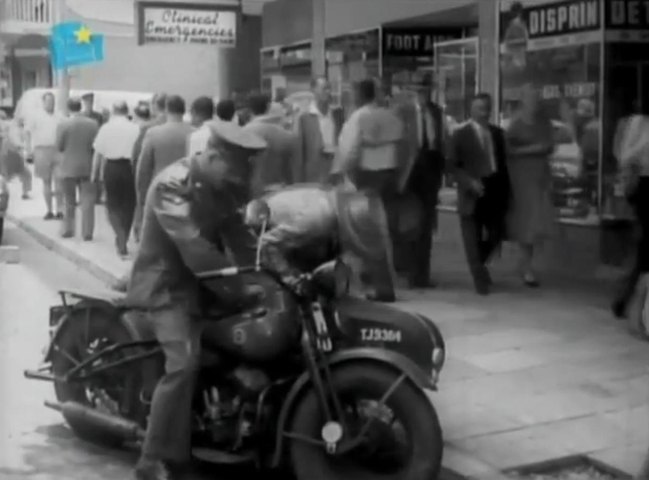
(456, 66)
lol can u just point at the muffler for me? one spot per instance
(104, 423)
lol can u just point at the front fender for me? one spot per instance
(385, 358)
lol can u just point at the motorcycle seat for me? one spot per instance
(112, 297)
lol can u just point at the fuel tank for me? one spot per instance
(260, 334)
(370, 324)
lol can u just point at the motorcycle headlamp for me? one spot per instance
(333, 277)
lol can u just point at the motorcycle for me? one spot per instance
(309, 378)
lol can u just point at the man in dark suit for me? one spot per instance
(317, 135)
(74, 140)
(425, 132)
(163, 144)
(478, 156)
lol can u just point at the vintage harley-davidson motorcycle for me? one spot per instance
(311, 379)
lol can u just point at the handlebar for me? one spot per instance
(228, 272)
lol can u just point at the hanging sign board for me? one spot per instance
(162, 22)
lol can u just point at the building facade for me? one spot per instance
(588, 59)
(189, 69)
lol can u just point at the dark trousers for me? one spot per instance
(119, 183)
(168, 435)
(482, 233)
(86, 193)
(425, 183)
(380, 274)
(640, 202)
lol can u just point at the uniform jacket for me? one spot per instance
(470, 162)
(273, 166)
(311, 165)
(189, 229)
(369, 140)
(74, 139)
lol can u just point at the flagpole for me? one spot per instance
(63, 75)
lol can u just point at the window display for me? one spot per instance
(407, 53)
(351, 58)
(555, 48)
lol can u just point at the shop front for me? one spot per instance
(588, 62)
(286, 67)
(351, 58)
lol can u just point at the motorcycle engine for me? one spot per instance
(229, 410)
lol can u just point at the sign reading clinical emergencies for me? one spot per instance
(184, 23)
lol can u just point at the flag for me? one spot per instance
(72, 44)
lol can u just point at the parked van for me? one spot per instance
(31, 100)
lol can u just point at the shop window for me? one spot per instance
(563, 72)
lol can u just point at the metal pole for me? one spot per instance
(63, 75)
(318, 47)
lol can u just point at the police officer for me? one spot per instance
(191, 212)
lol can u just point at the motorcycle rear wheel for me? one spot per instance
(410, 406)
(74, 343)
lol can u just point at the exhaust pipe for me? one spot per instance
(104, 423)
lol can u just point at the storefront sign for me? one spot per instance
(161, 22)
(295, 56)
(420, 42)
(627, 20)
(544, 24)
(627, 14)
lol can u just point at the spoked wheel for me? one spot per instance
(403, 441)
(115, 391)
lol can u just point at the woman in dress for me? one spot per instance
(530, 142)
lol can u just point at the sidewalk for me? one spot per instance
(531, 375)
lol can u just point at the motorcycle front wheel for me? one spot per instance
(404, 441)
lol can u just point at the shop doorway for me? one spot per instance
(629, 83)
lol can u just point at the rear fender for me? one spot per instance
(71, 315)
(382, 358)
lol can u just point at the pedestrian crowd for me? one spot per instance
(400, 148)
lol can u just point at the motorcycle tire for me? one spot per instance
(83, 325)
(410, 405)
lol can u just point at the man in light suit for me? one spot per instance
(162, 145)
(480, 168)
(317, 135)
(421, 176)
(74, 141)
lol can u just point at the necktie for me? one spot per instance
(488, 146)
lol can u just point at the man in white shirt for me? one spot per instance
(113, 163)
(41, 143)
(368, 156)
(202, 111)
